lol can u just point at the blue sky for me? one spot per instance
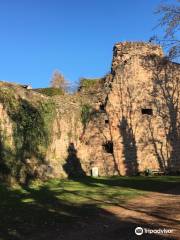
(74, 36)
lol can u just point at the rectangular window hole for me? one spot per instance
(147, 111)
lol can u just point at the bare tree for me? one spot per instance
(170, 21)
(58, 81)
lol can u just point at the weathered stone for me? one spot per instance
(133, 123)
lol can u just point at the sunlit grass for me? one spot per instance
(28, 209)
(101, 191)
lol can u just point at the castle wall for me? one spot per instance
(142, 80)
(133, 122)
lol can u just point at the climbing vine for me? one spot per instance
(32, 124)
(85, 114)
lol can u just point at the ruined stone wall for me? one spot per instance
(73, 148)
(124, 124)
(143, 80)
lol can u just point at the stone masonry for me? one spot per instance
(134, 121)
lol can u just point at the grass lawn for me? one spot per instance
(58, 204)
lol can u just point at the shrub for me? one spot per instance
(50, 91)
(88, 83)
(85, 114)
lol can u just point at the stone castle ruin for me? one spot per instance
(121, 124)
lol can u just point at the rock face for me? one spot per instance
(125, 123)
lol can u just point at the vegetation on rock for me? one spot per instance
(89, 82)
(85, 114)
(31, 130)
(50, 91)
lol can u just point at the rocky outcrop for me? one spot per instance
(124, 123)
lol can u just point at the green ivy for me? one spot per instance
(32, 125)
(85, 114)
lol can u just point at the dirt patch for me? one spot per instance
(153, 211)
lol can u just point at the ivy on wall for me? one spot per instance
(32, 124)
(85, 114)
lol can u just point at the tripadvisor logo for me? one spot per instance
(138, 231)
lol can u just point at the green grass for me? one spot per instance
(25, 211)
(50, 91)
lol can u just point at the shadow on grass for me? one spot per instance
(162, 184)
(38, 214)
